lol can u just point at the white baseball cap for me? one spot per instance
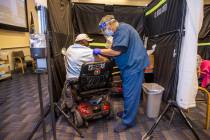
(83, 37)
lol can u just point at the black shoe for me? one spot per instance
(121, 127)
(120, 114)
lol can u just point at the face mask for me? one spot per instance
(108, 32)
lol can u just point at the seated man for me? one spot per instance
(76, 55)
(79, 53)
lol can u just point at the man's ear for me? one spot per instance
(112, 25)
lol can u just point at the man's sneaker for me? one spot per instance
(120, 114)
(121, 127)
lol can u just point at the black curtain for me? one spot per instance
(205, 30)
(60, 35)
(165, 62)
(87, 16)
(163, 27)
(204, 48)
(167, 18)
(204, 35)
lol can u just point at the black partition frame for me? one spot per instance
(169, 17)
(169, 33)
(62, 18)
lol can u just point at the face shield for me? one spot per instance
(104, 28)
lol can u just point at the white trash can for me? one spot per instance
(153, 93)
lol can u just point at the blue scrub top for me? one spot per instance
(134, 58)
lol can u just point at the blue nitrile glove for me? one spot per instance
(96, 51)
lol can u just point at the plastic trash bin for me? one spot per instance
(153, 94)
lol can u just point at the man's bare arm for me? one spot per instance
(110, 52)
(99, 58)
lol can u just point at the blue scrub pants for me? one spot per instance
(131, 93)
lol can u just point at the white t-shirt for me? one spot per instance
(76, 55)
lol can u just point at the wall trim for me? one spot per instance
(11, 48)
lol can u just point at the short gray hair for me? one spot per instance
(107, 18)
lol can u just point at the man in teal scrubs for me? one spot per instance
(131, 58)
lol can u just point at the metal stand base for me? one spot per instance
(43, 115)
(173, 104)
(68, 120)
(38, 124)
